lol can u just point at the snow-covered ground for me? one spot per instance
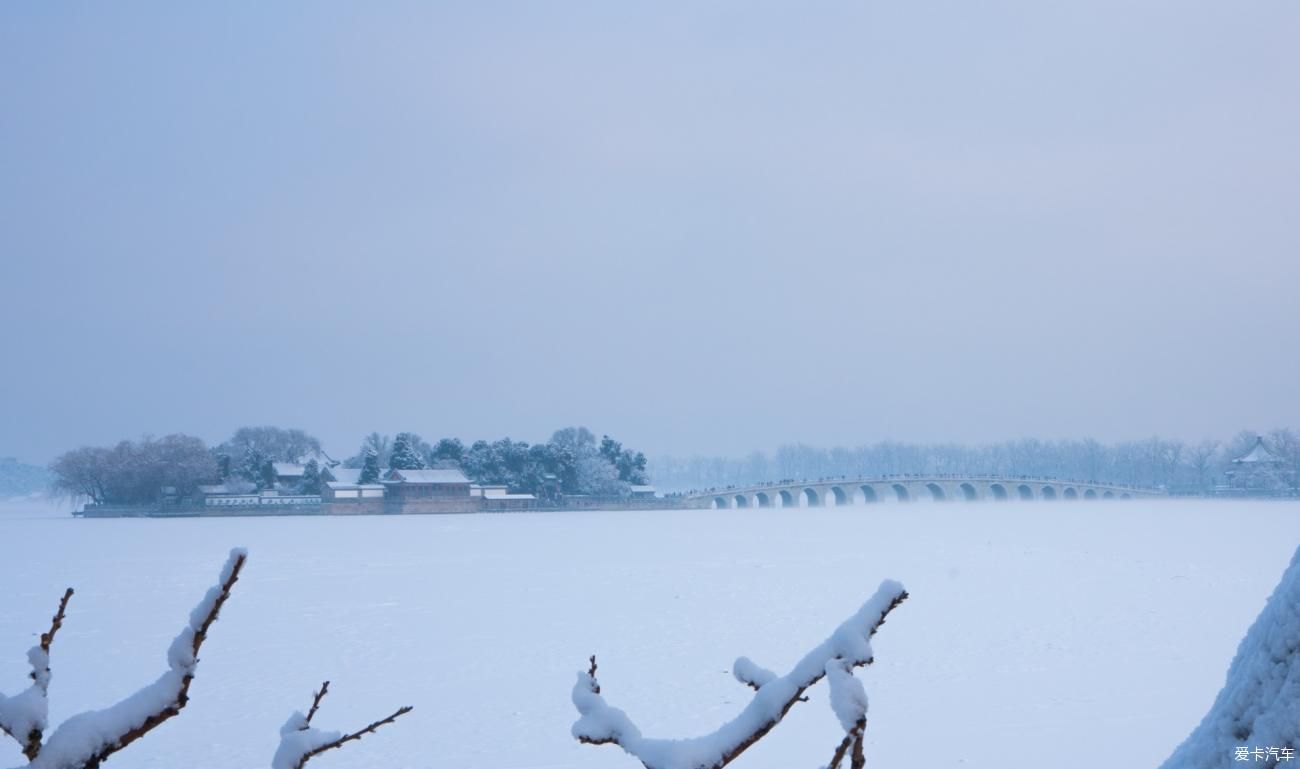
(1077, 634)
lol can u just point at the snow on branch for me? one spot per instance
(86, 739)
(849, 701)
(753, 675)
(300, 741)
(25, 716)
(848, 647)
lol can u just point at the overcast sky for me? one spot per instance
(703, 227)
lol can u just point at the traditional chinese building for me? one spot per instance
(443, 490)
(1259, 472)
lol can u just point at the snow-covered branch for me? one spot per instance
(849, 701)
(753, 675)
(848, 647)
(300, 741)
(86, 739)
(24, 717)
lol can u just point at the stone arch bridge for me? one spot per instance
(909, 488)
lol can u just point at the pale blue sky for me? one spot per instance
(702, 227)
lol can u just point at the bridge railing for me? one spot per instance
(850, 480)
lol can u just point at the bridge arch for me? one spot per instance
(1090, 494)
(998, 491)
(1048, 492)
(968, 492)
(868, 494)
(811, 497)
(720, 503)
(762, 499)
(787, 499)
(1108, 495)
(936, 492)
(840, 496)
(1126, 495)
(1024, 492)
(1070, 493)
(900, 493)
(742, 500)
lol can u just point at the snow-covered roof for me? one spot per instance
(217, 488)
(643, 489)
(288, 469)
(441, 475)
(336, 485)
(345, 474)
(1258, 453)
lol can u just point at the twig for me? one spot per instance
(353, 736)
(315, 701)
(851, 745)
(859, 761)
(57, 622)
(840, 751)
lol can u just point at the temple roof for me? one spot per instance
(436, 476)
(1258, 453)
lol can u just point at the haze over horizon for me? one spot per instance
(702, 229)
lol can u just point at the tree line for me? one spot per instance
(138, 472)
(1192, 468)
(571, 462)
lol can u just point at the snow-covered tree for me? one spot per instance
(86, 740)
(369, 467)
(847, 648)
(448, 450)
(1259, 705)
(311, 480)
(135, 472)
(629, 464)
(274, 443)
(407, 453)
(597, 476)
(252, 466)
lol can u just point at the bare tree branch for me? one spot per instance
(355, 735)
(57, 622)
(84, 741)
(25, 718)
(315, 701)
(300, 741)
(851, 746)
(601, 724)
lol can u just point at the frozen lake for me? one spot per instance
(1083, 634)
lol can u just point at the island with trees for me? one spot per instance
(271, 470)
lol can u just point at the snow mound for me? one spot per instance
(1259, 705)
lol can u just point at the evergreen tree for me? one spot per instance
(268, 477)
(311, 480)
(252, 466)
(406, 453)
(449, 450)
(369, 467)
(631, 468)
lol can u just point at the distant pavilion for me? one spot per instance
(1258, 471)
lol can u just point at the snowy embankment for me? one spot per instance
(1087, 634)
(1257, 715)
